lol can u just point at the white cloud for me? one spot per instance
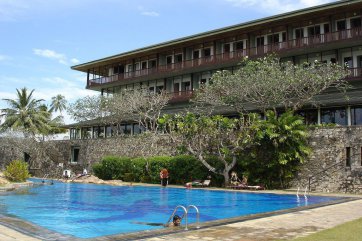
(74, 61)
(11, 9)
(145, 12)
(4, 57)
(151, 14)
(51, 54)
(277, 6)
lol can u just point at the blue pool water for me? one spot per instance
(89, 210)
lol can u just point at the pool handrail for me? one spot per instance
(184, 215)
(197, 214)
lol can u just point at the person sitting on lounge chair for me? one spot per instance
(234, 179)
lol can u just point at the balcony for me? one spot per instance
(232, 57)
(180, 96)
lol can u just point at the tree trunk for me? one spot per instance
(227, 170)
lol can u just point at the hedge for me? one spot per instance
(181, 168)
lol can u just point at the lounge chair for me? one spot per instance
(246, 187)
(198, 183)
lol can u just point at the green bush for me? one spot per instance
(181, 168)
(185, 168)
(17, 171)
(112, 168)
(155, 165)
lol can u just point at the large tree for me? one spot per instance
(280, 145)
(267, 83)
(138, 105)
(59, 103)
(25, 114)
(211, 136)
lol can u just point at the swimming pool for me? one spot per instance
(90, 210)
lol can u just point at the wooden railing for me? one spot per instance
(180, 96)
(355, 33)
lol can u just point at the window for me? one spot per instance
(176, 87)
(75, 154)
(348, 156)
(326, 27)
(178, 58)
(115, 70)
(310, 116)
(207, 52)
(239, 45)
(186, 86)
(74, 133)
(144, 65)
(128, 129)
(26, 157)
(273, 38)
(169, 59)
(355, 22)
(314, 31)
(284, 37)
(299, 33)
(259, 41)
(136, 129)
(356, 116)
(109, 131)
(159, 89)
(348, 62)
(86, 133)
(336, 116)
(226, 48)
(152, 63)
(129, 68)
(341, 25)
(196, 54)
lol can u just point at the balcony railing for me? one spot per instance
(355, 33)
(180, 96)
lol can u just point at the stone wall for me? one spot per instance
(60, 154)
(326, 168)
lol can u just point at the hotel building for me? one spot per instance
(330, 33)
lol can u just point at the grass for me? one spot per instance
(350, 231)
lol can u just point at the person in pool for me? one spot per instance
(176, 221)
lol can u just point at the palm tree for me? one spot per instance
(58, 103)
(25, 114)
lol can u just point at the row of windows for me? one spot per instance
(337, 116)
(262, 40)
(96, 132)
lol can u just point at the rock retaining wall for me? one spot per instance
(335, 164)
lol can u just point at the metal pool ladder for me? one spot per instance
(186, 211)
(305, 193)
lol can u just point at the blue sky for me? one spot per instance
(41, 39)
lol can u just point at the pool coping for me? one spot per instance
(36, 231)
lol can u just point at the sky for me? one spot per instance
(42, 39)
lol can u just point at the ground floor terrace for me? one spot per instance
(278, 226)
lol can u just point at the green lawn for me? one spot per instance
(351, 231)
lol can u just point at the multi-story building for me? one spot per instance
(328, 33)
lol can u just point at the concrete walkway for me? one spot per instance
(285, 226)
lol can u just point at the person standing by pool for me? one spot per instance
(164, 177)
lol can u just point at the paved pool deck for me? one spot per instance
(286, 226)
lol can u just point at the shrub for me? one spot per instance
(112, 168)
(185, 168)
(17, 171)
